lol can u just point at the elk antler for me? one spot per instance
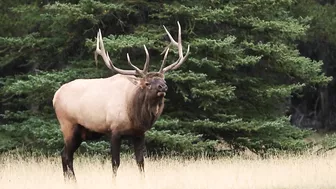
(164, 60)
(146, 66)
(100, 49)
(145, 69)
(178, 44)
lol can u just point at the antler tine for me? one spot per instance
(146, 66)
(179, 62)
(136, 68)
(172, 40)
(100, 50)
(179, 40)
(97, 49)
(164, 60)
(178, 44)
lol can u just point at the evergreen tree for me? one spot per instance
(315, 107)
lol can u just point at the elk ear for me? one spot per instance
(139, 82)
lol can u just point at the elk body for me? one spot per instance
(126, 104)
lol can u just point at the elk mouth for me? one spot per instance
(161, 94)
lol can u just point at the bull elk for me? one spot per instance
(125, 104)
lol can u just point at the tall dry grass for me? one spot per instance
(311, 172)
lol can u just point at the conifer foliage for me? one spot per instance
(231, 94)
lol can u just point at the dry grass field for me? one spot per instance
(311, 172)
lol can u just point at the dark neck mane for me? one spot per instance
(144, 111)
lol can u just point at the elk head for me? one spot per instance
(153, 82)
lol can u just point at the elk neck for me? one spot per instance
(144, 111)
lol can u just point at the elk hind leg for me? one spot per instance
(72, 140)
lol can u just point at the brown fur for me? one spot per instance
(146, 107)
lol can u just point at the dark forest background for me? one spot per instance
(260, 75)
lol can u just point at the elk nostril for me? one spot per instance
(162, 87)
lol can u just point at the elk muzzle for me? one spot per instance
(162, 89)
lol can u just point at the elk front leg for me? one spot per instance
(139, 145)
(115, 151)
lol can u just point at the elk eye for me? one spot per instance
(147, 83)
